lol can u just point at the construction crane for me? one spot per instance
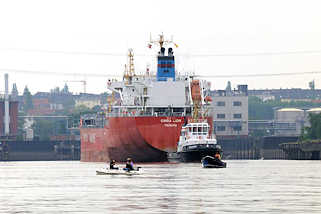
(84, 82)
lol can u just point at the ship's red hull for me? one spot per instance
(145, 139)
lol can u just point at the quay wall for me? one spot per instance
(39, 150)
(255, 148)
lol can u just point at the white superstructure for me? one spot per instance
(147, 91)
(161, 93)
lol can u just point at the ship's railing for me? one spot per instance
(100, 119)
(146, 114)
(92, 121)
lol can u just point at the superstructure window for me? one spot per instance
(220, 128)
(220, 103)
(220, 116)
(237, 128)
(237, 103)
(237, 116)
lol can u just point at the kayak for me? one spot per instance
(118, 172)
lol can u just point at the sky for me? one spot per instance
(45, 44)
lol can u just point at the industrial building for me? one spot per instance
(289, 121)
(229, 109)
(286, 122)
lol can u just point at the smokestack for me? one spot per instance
(6, 106)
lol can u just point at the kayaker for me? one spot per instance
(217, 156)
(112, 165)
(129, 164)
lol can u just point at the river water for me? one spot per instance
(256, 186)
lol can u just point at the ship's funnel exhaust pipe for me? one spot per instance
(162, 51)
(6, 106)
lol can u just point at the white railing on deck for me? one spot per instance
(144, 114)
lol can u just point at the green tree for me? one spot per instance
(44, 129)
(21, 122)
(259, 110)
(314, 131)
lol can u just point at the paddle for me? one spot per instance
(128, 170)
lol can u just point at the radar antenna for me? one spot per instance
(161, 41)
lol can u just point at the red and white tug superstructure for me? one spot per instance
(146, 121)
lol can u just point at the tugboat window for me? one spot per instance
(205, 130)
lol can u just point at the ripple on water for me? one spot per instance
(243, 187)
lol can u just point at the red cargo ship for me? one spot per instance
(145, 122)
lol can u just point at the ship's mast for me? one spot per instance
(161, 41)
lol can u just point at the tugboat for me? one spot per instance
(195, 142)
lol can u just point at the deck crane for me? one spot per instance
(129, 72)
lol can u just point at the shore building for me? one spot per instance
(229, 110)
